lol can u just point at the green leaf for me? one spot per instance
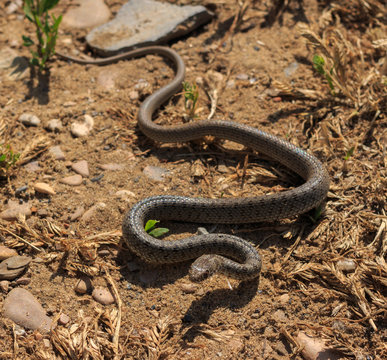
(318, 64)
(158, 232)
(49, 4)
(27, 41)
(349, 153)
(27, 10)
(2, 157)
(150, 224)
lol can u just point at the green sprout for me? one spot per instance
(191, 97)
(154, 231)
(317, 212)
(8, 159)
(319, 65)
(349, 153)
(36, 11)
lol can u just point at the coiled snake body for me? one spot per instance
(223, 253)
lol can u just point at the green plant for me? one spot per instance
(191, 97)
(317, 212)
(319, 65)
(349, 153)
(154, 231)
(36, 11)
(8, 159)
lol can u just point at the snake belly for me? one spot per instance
(234, 256)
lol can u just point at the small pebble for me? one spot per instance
(44, 188)
(80, 129)
(112, 167)
(242, 77)
(46, 343)
(84, 285)
(29, 119)
(6, 252)
(14, 209)
(103, 296)
(90, 213)
(23, 281)
(346, 265)
(80, 210)
(21, 189)
(33, 166)
(63, 319)
(4, 286)
(73, 180)
(81, 167)
(97, 178)
(57, 152)
(125, 195)
(133, 95)
(155, 173)
(42, 213)
(189, 288)
(54, 125)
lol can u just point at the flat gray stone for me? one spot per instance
(145, 22)
(23, 308)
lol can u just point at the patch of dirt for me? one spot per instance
(262, 70)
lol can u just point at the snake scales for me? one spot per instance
(223, 253)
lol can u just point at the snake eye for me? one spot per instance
(203, 267)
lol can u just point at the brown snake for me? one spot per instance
(223, 253)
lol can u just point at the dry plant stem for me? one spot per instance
(20, 238)
(116, 336)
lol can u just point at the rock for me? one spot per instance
(103, 296)
(125, 195)
(57, 152)
(17, 262)
(87, 13)
(79, 129)
(189, 288)
(4, 286)
(42, 213)
(22, 307)
(14, 209)
(63, 319)
(33, 166)
(44, 188)
(13, 66)
(21, 189)
(90, 213)
(280, 316)
(134, 95)
(23, 280)
(79, 211)
(112, 167)
(73, 180)
(146, 22)
(13, 6)
(242, 77)
(11, 272)
(81, 167)
(314, 348)
(29, 119)
(346, 265)
(84, 285)
(6, 252)
(54, 125)
(155, 173)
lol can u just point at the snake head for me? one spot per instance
(204, 267)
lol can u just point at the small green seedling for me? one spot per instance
(154, 231)
(8, 159)
(349, 153)
(36, 11)
(317, 214)
(319, 65)
(191, 97)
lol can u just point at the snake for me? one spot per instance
(214, 253)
